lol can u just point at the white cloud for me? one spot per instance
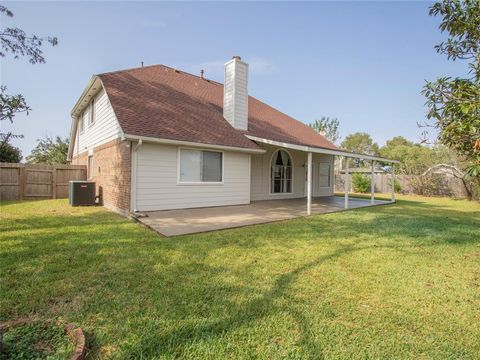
(261, 66)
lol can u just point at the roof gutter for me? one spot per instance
(71, 143)
(193, 144)
(320, 150)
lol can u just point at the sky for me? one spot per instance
(362, 62)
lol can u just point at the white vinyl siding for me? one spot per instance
(104, 129)
(157, 187)
(261, 167)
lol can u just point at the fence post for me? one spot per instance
(24, 182)
(21, 182)
(372, 184)
(392, 189)
(54, 182)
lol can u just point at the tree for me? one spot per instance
(414, 158)
(10, 105)
(9, 153)
(16, 42)
(360, 143)
(49, 151)
(397, 141)
(328, 127)
(454, 103)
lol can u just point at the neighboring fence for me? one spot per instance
(409, 184)
(382, 182)
(37, 181)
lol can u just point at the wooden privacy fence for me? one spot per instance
(451, 186)
(37, 181)
(382, 182)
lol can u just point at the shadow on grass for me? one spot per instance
(172, 343)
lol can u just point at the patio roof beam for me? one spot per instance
(392, 188)
(320, 150)
(347, 182)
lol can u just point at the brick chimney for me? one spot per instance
(235, 93)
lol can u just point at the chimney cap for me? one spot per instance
(236, 57)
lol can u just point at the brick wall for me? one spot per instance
(111, 173)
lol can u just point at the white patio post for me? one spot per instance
(392, 188)
(372, 183)
(346, 183)
(309, 184)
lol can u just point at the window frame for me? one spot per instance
(81, 129)
(90, 167)
(91, 113)
(202, 183)
(270, 174)
(329, 175)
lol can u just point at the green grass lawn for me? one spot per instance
(396, 281)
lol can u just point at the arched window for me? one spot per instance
(281, 173)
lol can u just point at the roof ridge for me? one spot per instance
(159, 65)
(129, 69)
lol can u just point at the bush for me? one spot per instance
(361, 183)
(430, 185)
(397, 186)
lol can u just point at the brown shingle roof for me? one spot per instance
(161, 102)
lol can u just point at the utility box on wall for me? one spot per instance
(81, 193)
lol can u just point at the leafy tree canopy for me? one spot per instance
(454, 103)
(328, 127)
(16, 42)
(398, 140)
(360, 143)
(9, 106)
(49, 151)
(414, 158)
(10, 153)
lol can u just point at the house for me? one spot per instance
(157, 138)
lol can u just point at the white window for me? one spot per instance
(281, 173)
(90, 167)
(81, 123)
(198, 166)
(324, 175)
(91, 118)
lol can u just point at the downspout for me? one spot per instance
(133, 187)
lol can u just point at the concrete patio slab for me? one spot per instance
(189, 221)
